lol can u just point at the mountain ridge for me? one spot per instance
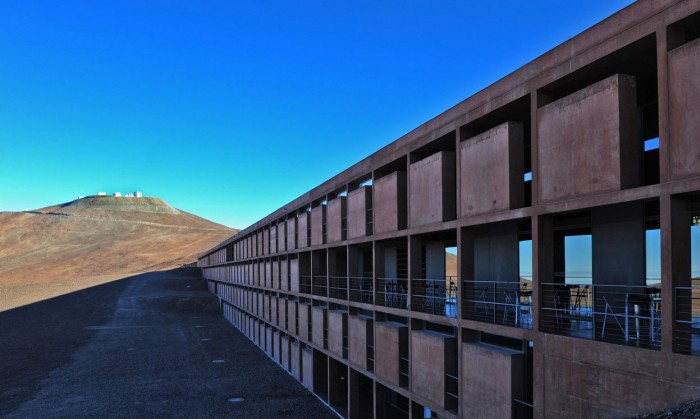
(57, 248)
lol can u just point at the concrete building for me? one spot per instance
(569, 192)
(101, 193)
(117, 194)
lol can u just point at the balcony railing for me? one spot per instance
(498, 302)
(687, 320)
(392, 292)
(338, 287)
(404, 371)
(452, 390)
(320, 285)
(305, 284)
(346, 346)
(435, 296)
(621, 314)
(361, 289)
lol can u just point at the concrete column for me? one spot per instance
(542, 271)
(675, 217)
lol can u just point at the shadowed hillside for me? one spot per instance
(61, 248)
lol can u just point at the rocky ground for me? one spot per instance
(690, 410)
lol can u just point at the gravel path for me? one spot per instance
(148, 346)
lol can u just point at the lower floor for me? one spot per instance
(377, 363)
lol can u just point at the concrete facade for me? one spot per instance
(527, 253)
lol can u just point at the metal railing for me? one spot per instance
(621, 314)
(435, 296)
(404, 374)
(338, 287)
(522, 409)
(687, 320)
(507, 303)
(320, 285)
(452, 390)
(392, 292)
(361, 289)
(305, 284)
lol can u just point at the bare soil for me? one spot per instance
(63, 248)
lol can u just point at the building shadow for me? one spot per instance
(41, 337)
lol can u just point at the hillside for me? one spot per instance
(53, 250)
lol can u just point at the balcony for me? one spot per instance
(320, 285)
(361, 289)
(620, 314)
(338, 287)
(435, 296)
(392, 292)
(687, 320)
(498, 302)
(305, 284)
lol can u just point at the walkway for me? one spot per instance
(152, 345)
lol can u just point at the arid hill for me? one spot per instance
(58, 249)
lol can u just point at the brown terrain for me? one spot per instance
(63, 248)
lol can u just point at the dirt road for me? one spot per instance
(148, 346)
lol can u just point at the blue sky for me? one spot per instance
(231, 109)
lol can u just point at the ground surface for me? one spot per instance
(139, 347)
(93, 241)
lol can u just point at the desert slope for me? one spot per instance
(56, 249)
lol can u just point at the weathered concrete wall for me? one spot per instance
(618, 235)
(318, 219)
(266, 307)
(307, 365)
(588, 142)
(390, 337)
(390, 202)
(273, 311)
(273, 238)
(487, 377)
(268, 340)
(432, 189)
(291, 233)
(276, 345)
(282, 312)
(594, 379)
(336, 320)
(284, 352)
(284, 274)
(491, 167)
(268, 274)
(429, 356)
(335, 212)
(294, 275)
(684, 108)
(304, 313)
(275, 274)
(295, 360)
(303, 230)
(358, 327)
(582, 137)
(318, 318)
(292, 317)
(496, 253)
(358, 202)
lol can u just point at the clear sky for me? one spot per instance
(231, 109)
